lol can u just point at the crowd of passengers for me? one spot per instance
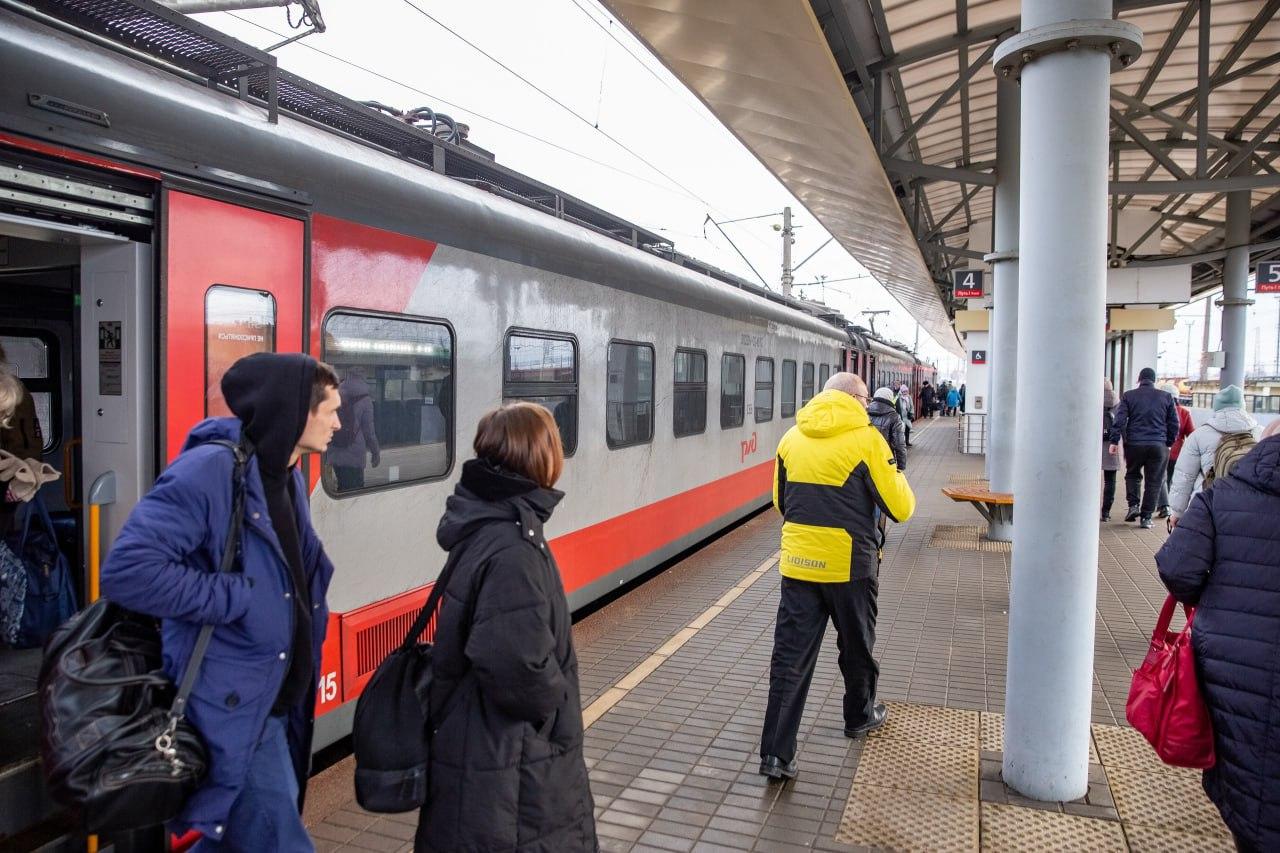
(506, 763)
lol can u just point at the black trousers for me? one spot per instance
(1108, 490)
(1144, 468)
(802, 620)
(906, 425)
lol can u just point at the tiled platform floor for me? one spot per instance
(673, 756)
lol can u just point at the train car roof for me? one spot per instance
(393, 177)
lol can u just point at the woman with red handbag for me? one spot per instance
(1223, 558)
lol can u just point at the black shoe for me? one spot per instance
(878, 716)
(1132, 514)
(772, 766)
(1145, 524)
(1162, 512)
(1106, 516)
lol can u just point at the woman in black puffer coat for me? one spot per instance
(507, 771)
(1224, 557)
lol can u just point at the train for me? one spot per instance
(170, 201)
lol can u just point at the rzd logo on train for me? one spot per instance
(749, 446)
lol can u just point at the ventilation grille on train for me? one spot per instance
(370, 633)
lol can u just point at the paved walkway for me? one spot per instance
(675, 679)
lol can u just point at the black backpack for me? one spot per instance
(114, 741)
(391, 733)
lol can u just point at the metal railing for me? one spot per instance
(971, 433)
(1257, 403)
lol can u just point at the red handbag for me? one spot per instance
(1164, 699)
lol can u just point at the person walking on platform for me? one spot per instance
(907, 409)
(928, 394)
(1185, 427)
(832, 472)
(1223, 558)
(254, 700)
(1147, 422)
(1110, 461)
(1231, 428)
(507, 770)
(953, 401)
(885, 418)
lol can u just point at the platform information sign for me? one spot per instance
(1268, 280)
(967, 284)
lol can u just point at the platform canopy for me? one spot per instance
(879, 115)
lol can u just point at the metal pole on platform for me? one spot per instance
(1235, 288)
(1064, 53)
(1004, 314)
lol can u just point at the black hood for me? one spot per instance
(880, 407)
(271, 395)
(486, 493)
(1261, 467)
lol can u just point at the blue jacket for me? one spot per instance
(1224, 556)
(1146, 415)
(164, 564)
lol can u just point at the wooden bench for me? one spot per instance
(996, 508)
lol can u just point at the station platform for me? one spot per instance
(675, 679)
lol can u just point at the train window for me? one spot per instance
(237, 322)
(788, 389)
(764, 389)
(32, 357)
(690, 392)
(397, 401)
(542, 368)
(806, 383)
(824, 373)
(629, 402)
(733, 390)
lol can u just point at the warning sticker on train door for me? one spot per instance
(110, 361)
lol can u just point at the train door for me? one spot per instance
(76, 243)
(233, 285)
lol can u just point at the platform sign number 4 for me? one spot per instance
(967, 284)
(1268, 277)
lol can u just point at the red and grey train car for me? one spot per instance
(161, 216)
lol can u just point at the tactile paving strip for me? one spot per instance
(948, 771)
(1121, 746)
(1148, 839)
(966, 537)
(1017, 829)
(1170, 801)
(884, 818)
(931, 724)
(992, 732)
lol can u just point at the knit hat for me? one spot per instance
(1230, 397)
(1147, 375)
(885, 394)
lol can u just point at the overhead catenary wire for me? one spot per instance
(477, 114)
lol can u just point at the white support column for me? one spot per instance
(1235, 288)
(1004, 314)
(1065, 62)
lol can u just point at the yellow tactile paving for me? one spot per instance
(1121, 746)
(891, 819)
(948, 771)
(1170, 801)
(929, 724)
(1015, 829)
(966, 537)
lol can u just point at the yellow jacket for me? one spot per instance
(832, 470)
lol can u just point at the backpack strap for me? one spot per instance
(241, 452)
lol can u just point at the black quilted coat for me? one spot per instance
(1224, 556)
(506, 771)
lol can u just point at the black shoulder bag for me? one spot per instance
(392, 729)
(114, 741)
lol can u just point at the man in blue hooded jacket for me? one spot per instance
(254, 698)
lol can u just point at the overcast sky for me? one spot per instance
(560, 91)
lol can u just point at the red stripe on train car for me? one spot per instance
(76, 156)
(369, 633)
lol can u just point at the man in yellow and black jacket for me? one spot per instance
(833, 474)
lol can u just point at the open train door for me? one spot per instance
(233, 285)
